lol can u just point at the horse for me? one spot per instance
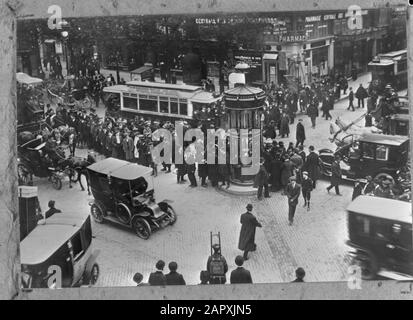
(80, 166)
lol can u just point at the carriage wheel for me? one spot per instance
(56, 182)
(384, 176)
(23, 174)
(172, 215)
(141, 228)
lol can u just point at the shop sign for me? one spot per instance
(292, 38)
(252, 58)
(313, 19)
(238, 20)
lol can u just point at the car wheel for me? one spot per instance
(97, 213)
(56, 182)
(368, 265)
(384, 176)
(172, 215)
(141, 228)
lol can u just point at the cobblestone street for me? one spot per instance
(315, 242)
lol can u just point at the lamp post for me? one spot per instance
(65, 36)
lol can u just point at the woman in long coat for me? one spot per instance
(284, 127)
(247, 236)
(276, 173)
(128, 148)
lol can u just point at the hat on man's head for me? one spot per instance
(293, 178)
(305, 173)
(249, 206)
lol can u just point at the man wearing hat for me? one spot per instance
(52, 210)
(300, 133)
(261, 181)
(307, 187)
(370, 186)
(292, 192)
(240, 275)
(384, 190)
(249, 223)
(335, 175)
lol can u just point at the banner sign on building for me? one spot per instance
(252, 58)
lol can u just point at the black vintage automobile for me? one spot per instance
(124, 194)
(377, 155)
(380, 232)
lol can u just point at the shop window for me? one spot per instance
(174, 106)
(368, 151)
(130, 103)
(382, 153)
(164, 104)
(149, 104)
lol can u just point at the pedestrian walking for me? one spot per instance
(174, 278)
(285, 126)
(312, 112)
(312, 166)
(307, 187)
(300, 133)
(351, 99)
(335, 176)
(240, 274)
(292, 192)
(249, 223)
(361, 94)
(157, 278)
(203, 172)
(217, 266)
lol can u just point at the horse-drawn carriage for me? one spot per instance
(35, 159)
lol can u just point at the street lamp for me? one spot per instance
(65, 36)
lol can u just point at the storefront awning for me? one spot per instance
(270, 56)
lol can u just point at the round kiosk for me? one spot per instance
(244, 106)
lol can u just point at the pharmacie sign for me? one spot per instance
(292, 38)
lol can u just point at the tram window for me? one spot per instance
(183, 109)
(130, 103)
(174, 106)
(368, 151)
(164, 105)
(382, 153)
(364, 225)
(148, 105)
(402, 65)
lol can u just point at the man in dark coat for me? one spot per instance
(174, 278)
(240, 275)
(312, 112)
(261, 181)
(361, 94)
(299, 275)
(247, 236)
(284, 126)
(357, 190)
(292, 191)
(300, 133)
(335, 176)
(157, 278)
(351, 99)
(312, 166)
(307, 187)
(370, 186)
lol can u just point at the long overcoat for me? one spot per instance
(247, 236)
(312, 166)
